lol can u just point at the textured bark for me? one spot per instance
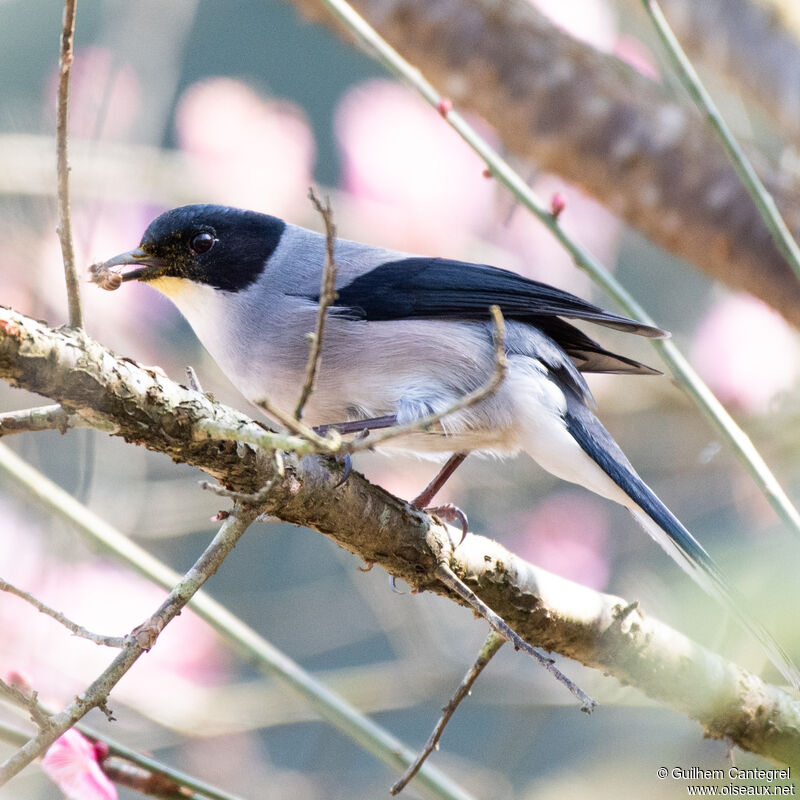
(596, 122)
(600, 630)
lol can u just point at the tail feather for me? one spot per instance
(695, 561)
(664, 527)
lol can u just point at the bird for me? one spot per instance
(406, 337)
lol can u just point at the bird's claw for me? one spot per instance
(451, 513)
(348, 468)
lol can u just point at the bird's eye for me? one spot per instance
(202, 242)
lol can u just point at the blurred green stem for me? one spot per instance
(687, 378)
(245, 640)
(744, 169)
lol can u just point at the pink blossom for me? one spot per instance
(568, 534)
(417, 185)
(746, 352)
(71, 763)
(256, 152)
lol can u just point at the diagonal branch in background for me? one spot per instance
(751, 45)
(549, 612)
(744, 169)
(596, 122)
(140, 641)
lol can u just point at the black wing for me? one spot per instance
(446, 289)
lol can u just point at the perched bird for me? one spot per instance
(408, 336)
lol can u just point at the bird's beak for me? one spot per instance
(143, 263)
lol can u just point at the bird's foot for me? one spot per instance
(450, 513)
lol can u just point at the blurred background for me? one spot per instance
(243, 103)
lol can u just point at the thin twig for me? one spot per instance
(494, 641)
(247, 499)
(29, 700)
(256, 435)
(468, 400)
(62, 166)
(77, 630)
(329, 443)
(685, 375)
(497, 623)
(744, 169)
(41, 418)
(142, 639)
(327, 297)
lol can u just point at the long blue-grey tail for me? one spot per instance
(667, 531)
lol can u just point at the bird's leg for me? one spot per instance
(448, 512)
(423, 499)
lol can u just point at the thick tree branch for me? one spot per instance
(599, 630)
(598, 123)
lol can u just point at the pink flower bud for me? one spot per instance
(444, 106)
(557, 204)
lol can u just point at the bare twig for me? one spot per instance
(330, 443)
(41, 418)
(142, 639)
(77, 630)
(468, 400)
(327, 297)
(494, 641)
(255, 434)
(28, 699)
(497, 623)
(62, 120)
(245, 498)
